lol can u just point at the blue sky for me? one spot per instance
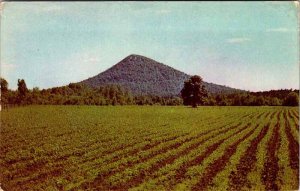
(247, 45)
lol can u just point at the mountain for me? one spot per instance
(144, 76)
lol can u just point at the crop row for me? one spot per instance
(93, 170)
(175, 172)
(43, 168)
(151, 148)
(141, 156)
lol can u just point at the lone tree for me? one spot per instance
(22, 91)
(193, 92)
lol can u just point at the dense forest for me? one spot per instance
(80, 94)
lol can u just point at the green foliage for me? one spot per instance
(113, 94)
(22, 97)
(96, 148)
(274, 101)
(193, 92)
(79, 94)
(271, 98)
(4, 91)
(144, 76)
(22, 88)
(292, 99)
(4, 85)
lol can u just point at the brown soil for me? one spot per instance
(100, 179)
(140, 177)
(295, 119)
(40, 166)
(180, 173)
(99, 182)
(271, 168)
(238, 178)
(54, 158)
(273, 114)
(218, 165)
(260, 115)
(293, 147)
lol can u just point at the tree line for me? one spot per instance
(78, 94)
(291, 98)
(193, 93)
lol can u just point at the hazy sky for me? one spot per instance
(247, 45)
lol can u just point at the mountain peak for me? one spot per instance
(134, 58)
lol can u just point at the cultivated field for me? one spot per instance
(149, 148)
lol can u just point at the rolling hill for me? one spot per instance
(144, 76)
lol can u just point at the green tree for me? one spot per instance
(35, 96)
(219, 99)
(193, 92)
(260, 101)
(22, 91)
(4, 91)
(237, 101)
(292, 99)
(274, 101)
(4, 86)
(210, 101)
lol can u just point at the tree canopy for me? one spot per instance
(194, 92)
(292, 99)
(80, 94)
(22, 91)
(4, 85)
